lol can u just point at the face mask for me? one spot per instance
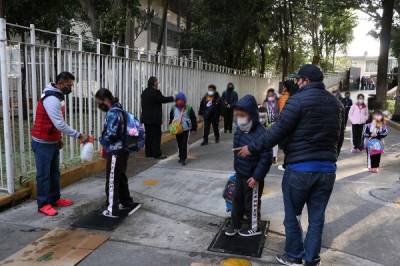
(360, 101)
(103, 107)
(66, 90)
(378, 118)
(210, 93)
(244, 123)
(347, 96)
(230, 88)
(271, 98)
(180, 104)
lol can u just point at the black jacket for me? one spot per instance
(229, 97)
(213, 111)
(256, 165)
(152, 100)
(313, 123)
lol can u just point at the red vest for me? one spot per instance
(43, 128)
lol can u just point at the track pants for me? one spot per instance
(228, 119)
(246, 201)
(182, 140)
(374, 160)
(207, 124)
(357, 131)
(117, 190)
(153, 140)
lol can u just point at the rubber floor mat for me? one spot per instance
(97, 221)
(238, 245)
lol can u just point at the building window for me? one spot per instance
(371, 66)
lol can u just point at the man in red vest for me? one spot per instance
(46, 142)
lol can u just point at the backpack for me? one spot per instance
(176, 128)
(134, 133)
(228, 192)
(375, 146)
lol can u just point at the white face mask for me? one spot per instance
(210, 93)
(244, 123)
(360, 101)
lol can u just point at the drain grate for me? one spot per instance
(387, 195)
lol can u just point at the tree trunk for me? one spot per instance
(396, 115)
(162, 27)
(262, 55)
(384, 39)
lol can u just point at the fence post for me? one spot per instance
(33, 69)
(113, 54)
(126, 90)
(98, 84)
(80, 80)
(6, 108)
(58, 43)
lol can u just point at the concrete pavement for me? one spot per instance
(183, 209)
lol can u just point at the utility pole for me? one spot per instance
(2, 8)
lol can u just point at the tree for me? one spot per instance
(395, 45)
(163, 27)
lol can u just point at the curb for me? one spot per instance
(393, 124)
(68, 177)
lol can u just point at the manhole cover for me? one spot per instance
(388, 195)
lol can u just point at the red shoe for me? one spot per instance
(48, 210)
(63, 202)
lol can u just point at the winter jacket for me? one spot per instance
(256, 165)
(152, 100)
(283, 99)
(272, 110)
(347, 103)
(112, 136)
(312, 123)
(381, 132)
(229, 97)
(210, 111)
(358, 114)
(189, 120)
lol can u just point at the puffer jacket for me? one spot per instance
(112, 136)
(312, 123)
(256, 165)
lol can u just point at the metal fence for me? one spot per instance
(30, 59)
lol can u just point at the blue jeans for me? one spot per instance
(313, 189)
(47, 172)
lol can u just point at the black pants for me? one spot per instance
(374, 160)
(207, 124)
(182, 140)
(357, 131)
(117, 189)
(346, 115)
(243, 203)
(228, 119)
(153, 140)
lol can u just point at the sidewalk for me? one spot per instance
(183, 209)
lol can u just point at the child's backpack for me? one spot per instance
(228, 192)
(135, 133)
(176, 128)
(375, 146)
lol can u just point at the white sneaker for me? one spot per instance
(280, 167)
(107, 213)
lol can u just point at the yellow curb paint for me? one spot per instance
(235, 262)
(151, 182)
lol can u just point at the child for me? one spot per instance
(271, 107)
(347, 103)
(112, 140)
(358, 116)
(250, 171)
(183, 112)
(375, 130)
(210, 109)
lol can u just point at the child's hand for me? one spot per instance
(252, 182)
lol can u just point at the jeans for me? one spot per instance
(47, 172)
(313, 189)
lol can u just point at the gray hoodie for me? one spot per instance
(53, 105)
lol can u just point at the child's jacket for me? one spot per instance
(381, 132)
(255, 165)
(189, 120)
(112, 136)
(358, 114)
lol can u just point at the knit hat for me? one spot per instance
(180, 96)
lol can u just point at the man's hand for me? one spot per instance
(60, 144)
(83, 137)
(242, 151)
(252, 182)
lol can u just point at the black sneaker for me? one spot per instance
(216, 140)
(285, 260)
(231, 231)
(161, 157)
(249, 232)
(204, 143)
(183, 162)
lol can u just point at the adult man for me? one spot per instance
(46, 143)
(312, 122)
(152, 100)
(229, 99)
